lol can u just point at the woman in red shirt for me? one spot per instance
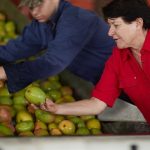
(128, 68)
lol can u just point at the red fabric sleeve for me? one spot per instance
(107, 89)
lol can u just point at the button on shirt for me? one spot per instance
(74, 38)
(122, 72)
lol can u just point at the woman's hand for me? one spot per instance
(49, 105)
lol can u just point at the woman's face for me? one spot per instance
(45, 10)
(123, 33)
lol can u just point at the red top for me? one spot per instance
(122, 72)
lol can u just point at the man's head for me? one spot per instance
(41, 10)
(30, 3)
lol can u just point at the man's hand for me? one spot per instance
(49, 106)
(2, 74)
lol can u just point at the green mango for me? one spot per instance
(5, 131)
(19, 107)
(75, 119)
(95, 131)
(24, 126)
(41, 132)
(10, 27)
(2, 17)
(53, 78)
(54, 94)
(40, 125)
(4, 92)
(19, 100)
(44, 116)
(35, 95)
(26, 134)
(20, 93)
(23, 116)
(48, 86)
(82, 131)
(5, 100)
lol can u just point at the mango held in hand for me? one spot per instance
(35, 95)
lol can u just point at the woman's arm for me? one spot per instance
(92, 106)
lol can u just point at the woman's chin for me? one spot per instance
(121, 46)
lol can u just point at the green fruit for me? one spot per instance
(35, 95)
(2, 17)
(87, 117)
(2, 84)
(44, 116)
(2, 26)
(5, 131)
(47, 85)
(95, 131)
(93, 123)
(20, 93)
(59, 118)
(19, 107)
(11, 35)
(55, 132)
(52, 126)
(59, 101)
(40, 125)
(54, 94)
(81, 124)
(23, 116)
(24, 126)
(26, 134)
(5, 113)
(10, 27)
(55, 85)
(41, 132)
(66, 90)
(53, 78)
(4, 92)
(36, 83)
(5, 100)
(19, 100)
(75, 119)
(68, 98)
(82, 131)
(67, 127)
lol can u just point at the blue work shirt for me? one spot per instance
(74, 38)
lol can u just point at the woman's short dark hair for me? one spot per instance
(129, 10)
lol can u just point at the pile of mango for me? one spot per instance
(19, 118)
(7, 29)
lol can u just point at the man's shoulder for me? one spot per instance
(81, 13)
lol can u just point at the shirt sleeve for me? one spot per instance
(72, 33)
(24, 46)
(107, 89)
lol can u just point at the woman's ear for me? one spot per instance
(139, 22)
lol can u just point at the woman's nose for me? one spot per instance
(111, 31)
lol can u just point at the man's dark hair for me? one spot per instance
(129, 10)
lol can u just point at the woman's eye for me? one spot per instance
(116, 25)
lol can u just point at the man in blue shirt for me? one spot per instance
(74, 39)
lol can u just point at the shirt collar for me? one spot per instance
(146, 45)
(61, 6)
(126, 54)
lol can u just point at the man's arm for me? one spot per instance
(72, 34)
(92, 106)
(24, 46)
